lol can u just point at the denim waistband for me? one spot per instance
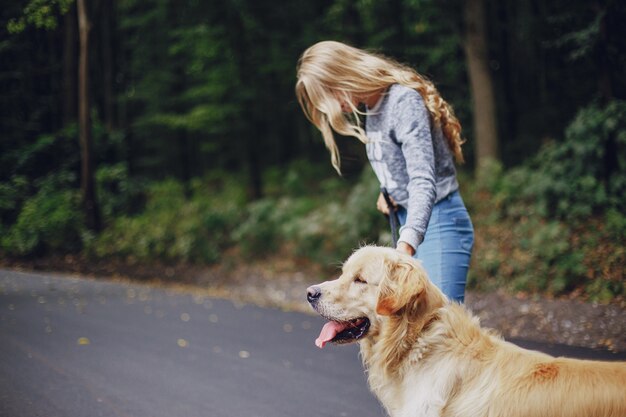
(450, 196)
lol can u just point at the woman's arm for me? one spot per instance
(412, 132)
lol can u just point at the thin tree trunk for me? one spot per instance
(87, 183)
(481, 84)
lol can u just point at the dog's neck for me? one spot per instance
(398, 334)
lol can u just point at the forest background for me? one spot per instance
(159, 132)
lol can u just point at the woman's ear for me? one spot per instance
(404, 280)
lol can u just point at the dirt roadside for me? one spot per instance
(281, 283)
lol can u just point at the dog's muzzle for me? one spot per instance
(313, 294)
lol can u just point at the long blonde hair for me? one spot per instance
(329, 71)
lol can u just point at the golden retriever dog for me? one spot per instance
(426, 356)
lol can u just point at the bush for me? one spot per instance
(261, 230)
(117, 192)
(173, 227)
(300, 178)
(324, 226)
(333, 230)
(557, 223)
(584, 174)
(49, 221)
(12, 193)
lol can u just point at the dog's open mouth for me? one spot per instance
(343, 331)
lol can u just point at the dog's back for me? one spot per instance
(500, 379)
(562, 387)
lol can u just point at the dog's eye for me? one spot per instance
(359, 280)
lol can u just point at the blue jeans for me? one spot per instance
(447, 247)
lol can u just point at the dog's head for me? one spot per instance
(376, 283)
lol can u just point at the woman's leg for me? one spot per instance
(447, 247)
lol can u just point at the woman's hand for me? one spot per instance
(381, 204)
(405, 248)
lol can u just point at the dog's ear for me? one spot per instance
(403, 282)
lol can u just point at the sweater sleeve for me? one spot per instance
(411, 128)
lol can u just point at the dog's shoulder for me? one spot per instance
(458, 330)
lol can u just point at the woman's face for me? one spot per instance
(345, 104)
(369, 100)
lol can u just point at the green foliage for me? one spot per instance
(616, 224)
(44, 155)
(117, 192)
(173, 227)
(329, 233)
(260, 232)
(49, 221)
(582, 175)
(319, 219)
(11, 193)
(42, 14)
(40, 208)
(199, 224)
(536, 224)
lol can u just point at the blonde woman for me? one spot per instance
(412, 138)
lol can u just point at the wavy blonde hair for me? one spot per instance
(331, 71)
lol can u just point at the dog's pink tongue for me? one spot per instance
(329, 331)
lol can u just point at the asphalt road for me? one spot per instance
(73, 347)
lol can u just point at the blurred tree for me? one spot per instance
(228, 76)
(483, 99)
(87, 183)
(545, 59)
(45, 14)
(181, 89)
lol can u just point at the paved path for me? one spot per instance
(74, 347)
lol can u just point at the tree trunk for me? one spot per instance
(481, 84)
(87, 183)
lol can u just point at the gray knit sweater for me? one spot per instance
(409, 158)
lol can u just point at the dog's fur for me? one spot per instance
(426, 356)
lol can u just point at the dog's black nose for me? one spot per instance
(313, 294)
